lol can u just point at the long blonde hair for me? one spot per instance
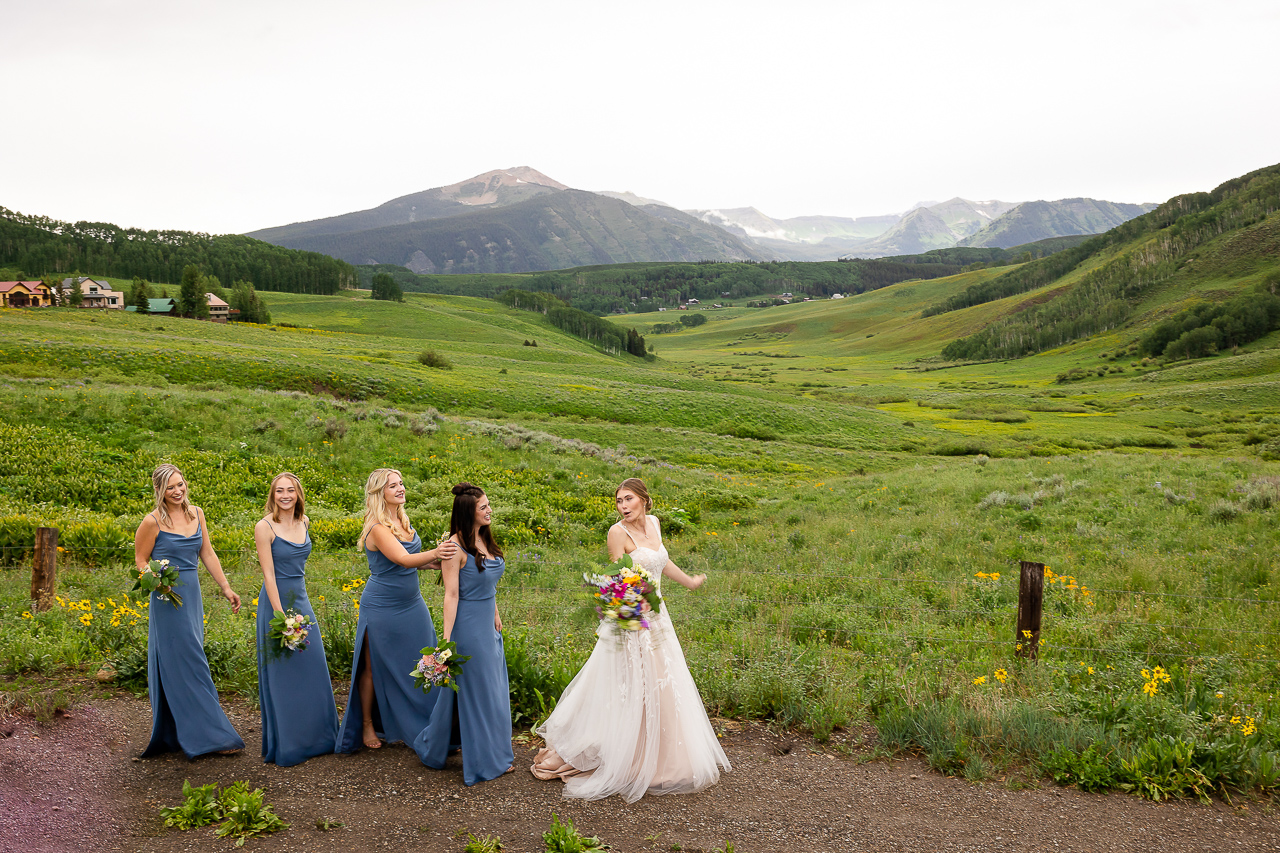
(376, 510)
(159, 480)
(299, 506)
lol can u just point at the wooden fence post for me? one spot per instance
(1030, 606)
(44, 568)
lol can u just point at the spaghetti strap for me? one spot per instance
(628, 532)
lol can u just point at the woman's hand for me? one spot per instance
(446, 550)
(697, 581)
(230, 595)
(497, 622)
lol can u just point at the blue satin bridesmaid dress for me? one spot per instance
(185, 714)
(396, 625)
(479, 715)
(299, 717)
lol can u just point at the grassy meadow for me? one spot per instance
(859, 506)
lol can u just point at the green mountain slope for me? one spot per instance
(1040, 220)
(1104, 283)
(552, 231)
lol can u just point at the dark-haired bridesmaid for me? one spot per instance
(299, 717)
(478, 716)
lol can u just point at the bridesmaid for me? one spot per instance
(478, 716)
(299, 718)
(185, 714)
(394, 623)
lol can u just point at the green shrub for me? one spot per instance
(1092, 770)
(431, 358)
(97, 543)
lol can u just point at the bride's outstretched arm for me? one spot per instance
(678, 575)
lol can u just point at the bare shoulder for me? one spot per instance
(149, 524)
(263, 527)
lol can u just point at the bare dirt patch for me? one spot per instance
(74, 785)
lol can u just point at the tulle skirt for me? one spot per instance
(631, 722)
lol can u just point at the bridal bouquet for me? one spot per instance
(626, 597)
(158, 577)
(439, 667)
(289, 630)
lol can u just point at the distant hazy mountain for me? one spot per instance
(555, 230)
(751, 223)
(938, 226)
(1037, 220)
(632, 199)
(499, 188)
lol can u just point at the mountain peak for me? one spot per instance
(483, 188)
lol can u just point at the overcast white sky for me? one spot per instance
(230, 116)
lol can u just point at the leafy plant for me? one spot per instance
(246, 815)
(199, 807)
(564, 838)
(488, 844)
(1092, 770)
(1162, 768)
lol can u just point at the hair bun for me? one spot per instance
(465, 488)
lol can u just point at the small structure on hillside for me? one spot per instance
(161, 306)
(24, 294)
(97, 294)
(219, 311)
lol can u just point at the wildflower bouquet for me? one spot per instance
(626, 597)
(158, 577)
(440, 667)
(289, 630)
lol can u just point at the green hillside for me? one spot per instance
(859, 505)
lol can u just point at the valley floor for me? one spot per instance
(74, 785)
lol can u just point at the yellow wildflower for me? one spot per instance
(981, 679)
(1150, 688)
(1002, 676)
(26, 614)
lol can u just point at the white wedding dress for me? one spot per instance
(632, 722)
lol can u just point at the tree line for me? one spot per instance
(41, 246)
(580, 324)
(1208, 328)
(646, 287)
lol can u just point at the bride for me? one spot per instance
(632, 722)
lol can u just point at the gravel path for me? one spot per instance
(74, 785)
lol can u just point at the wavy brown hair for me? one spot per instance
(462, 523)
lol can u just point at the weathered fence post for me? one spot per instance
(44, 567)
(1030, 606)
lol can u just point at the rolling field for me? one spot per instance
(860, 506)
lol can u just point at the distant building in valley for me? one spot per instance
(219, 311)
(24, 294)
(97, 294)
